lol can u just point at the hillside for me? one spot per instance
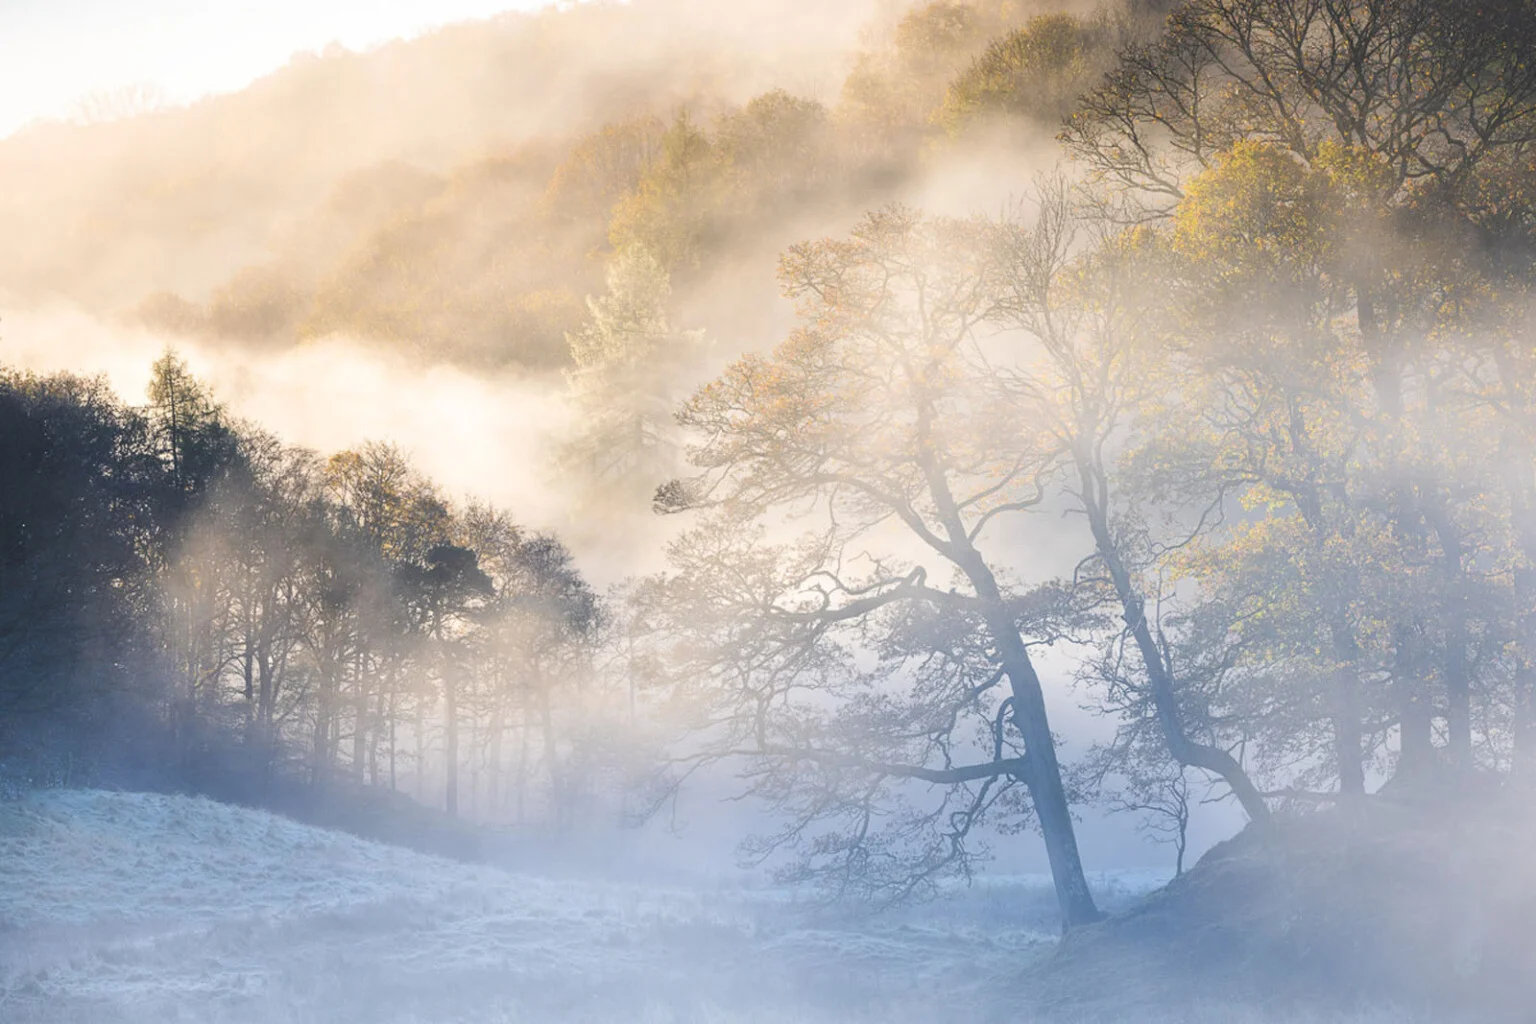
(135, 907)
(142, 907)
(456, 196)
(104, 214)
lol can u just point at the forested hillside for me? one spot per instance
(1169, 361)
(303, 167)
(453, 196)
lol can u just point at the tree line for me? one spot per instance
(187, 600)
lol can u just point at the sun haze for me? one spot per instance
(66, 58)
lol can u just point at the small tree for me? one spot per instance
(1034, 73)
(1163, 802)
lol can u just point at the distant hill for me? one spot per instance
(308, 161)
(456, 196)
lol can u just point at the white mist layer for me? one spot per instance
(486, 436)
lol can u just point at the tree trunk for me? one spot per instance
(1458, 694)
(266, 698)
(552, 760)
(320, 754)
(493, 795)
(1416, 748)
(419, 728)
(1525, 658)
(450, 741)
(1046, 789)
(1458, 687)
(394, 717)
(248, 671)
(360, 729)
(1348, 735)
(522, 765)
(1344, 708)
(1525, 721)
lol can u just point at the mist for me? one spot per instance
(662, 510)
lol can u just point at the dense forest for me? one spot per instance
(1227, 404)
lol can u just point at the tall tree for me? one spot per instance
(78, 489)
(1404, 107)
(878, 417)
(449, 587)
(1084, 373)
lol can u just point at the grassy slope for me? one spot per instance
(135, 907)
(1427, 907)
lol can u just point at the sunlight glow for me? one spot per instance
(59, 56)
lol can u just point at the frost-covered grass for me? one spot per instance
(151, 908)
(139, 908)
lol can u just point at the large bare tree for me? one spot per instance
(879, 424)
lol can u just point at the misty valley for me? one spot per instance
(666, 511)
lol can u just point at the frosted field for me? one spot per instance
(146, 908)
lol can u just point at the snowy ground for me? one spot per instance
(132, 907)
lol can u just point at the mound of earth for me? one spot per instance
(1424, 905)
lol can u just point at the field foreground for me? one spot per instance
(136, 908)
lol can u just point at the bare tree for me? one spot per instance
(878, 423)
(1076, 303)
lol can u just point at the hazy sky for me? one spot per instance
(54, 52)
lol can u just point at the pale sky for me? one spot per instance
(54, 52)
